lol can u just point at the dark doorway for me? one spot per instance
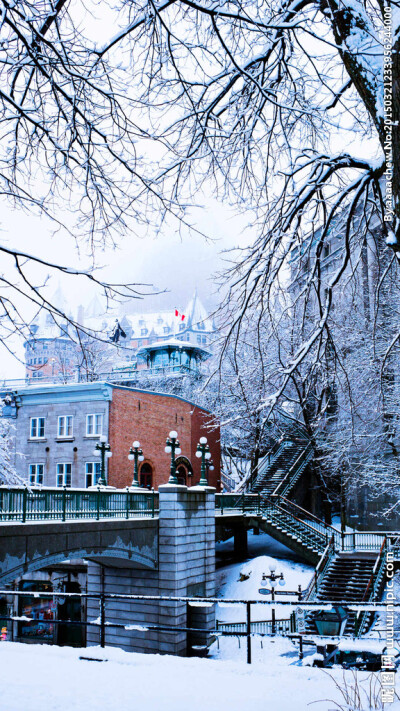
(181, 474)
(146, 476)
(70, 635)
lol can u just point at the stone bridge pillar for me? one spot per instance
(186, 568)
(187, 559)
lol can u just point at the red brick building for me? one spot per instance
(57, 428)
(149, 417)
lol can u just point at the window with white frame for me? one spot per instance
(37, 427)
(36, 474)
(65, 426)
(94, 425)
(64, 474)
(92, 473)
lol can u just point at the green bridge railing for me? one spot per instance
(46, 504)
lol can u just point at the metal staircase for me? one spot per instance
(350, 567)
(294, 527)
(285, 521)
(282, 467)
(353, 577)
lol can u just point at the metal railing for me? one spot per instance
(374, 588)
(247, 629)
(261, 627)
(295, 471)
(322, 567)
(46, 504)
(302, 523)
(36, 377)
(238, 503)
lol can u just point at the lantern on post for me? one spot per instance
(203, 451)
(135, 455)
(172, 447)
(103, 450)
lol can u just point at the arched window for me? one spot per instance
(146, 476)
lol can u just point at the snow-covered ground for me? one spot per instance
(56, 679)
(241, 581)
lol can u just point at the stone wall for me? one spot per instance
(51, 450)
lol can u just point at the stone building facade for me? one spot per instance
(57, 428)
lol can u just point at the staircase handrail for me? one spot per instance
(300, 520)
(320, 570)
(319, 521)
(270, 456)
(371, 589)
(293, 469)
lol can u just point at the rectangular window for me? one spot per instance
(65, 426)
(64, 474)
(94, 425)
(37, 427)
(36, 474)
(92, 473)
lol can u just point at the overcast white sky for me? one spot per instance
(176, 263)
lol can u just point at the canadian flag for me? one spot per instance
(179, 315)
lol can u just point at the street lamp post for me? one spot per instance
(135, 454)
(273, 581)
(172, 447)
(103, 450)
(209, 467)
(203, 451)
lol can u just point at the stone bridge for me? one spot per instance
(32, 546)
(171, 554)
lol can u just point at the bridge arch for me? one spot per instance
(30, 547)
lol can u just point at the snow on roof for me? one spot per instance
(98, 319)
(196, 315)
(173, 343)
(155, 321)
